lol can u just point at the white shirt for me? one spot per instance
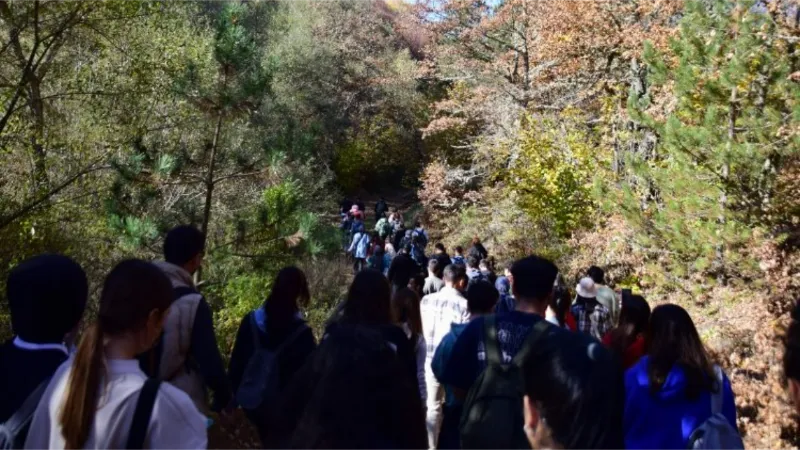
(439, 312)
(175, 422)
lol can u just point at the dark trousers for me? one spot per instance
(450, 433)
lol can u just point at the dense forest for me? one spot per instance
(656, 138)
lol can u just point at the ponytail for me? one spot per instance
(78, 410)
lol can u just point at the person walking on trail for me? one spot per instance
(440, 254)
(439, 312)
(592, 317)
(383, 227)
(574, 395)
(481, 300)
(605, 295)
(360, 204)
(187, 355)
(359, 249)
(358, 223)
(399, 236)
(47, 296)
(381, 207)
(458, 258)
(473, 272)
(486, 266)
(95, 398)
(402, 269)
(675, 394)
(276, 326)
(434, 282)
(514, 335)
(478, 251)
(421, 234)
(405, 306)
(627, 340)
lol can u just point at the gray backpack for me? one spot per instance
(716, 432)
(260, 384)
(14, 430)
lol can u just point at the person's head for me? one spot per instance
(184, 246)
(532, 281)
(472, 262)
(417, 224)
(133, 305)
(587, 290)
(574, 394)
(634, 319)
(354, 392)
(597, 274)
(405, 307)
(417, 283)
(459, 250)
(455, 276)
(484, 266)
(673, 340)
(369, 299)
(476, 240)
(433, 268)
(47, 297)
(439, 248)
(481, 298)
(407, 249)
(507, 268)
(289, 293)
(503, 286)
(791, 357)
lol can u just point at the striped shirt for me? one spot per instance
(439, 311)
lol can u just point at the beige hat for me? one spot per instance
(586, 288)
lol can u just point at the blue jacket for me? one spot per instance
(666, 419)
(442, 356)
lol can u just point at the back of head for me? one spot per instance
(288, 293)
(577, 388)
(484, 265)
(454, 273)
(182, 244)
(417, 224)
(407, 249)
(476, 240)
(634, 319)
(433, 267)
(472, 262)
(459, 250)
(354, 393)
(439, 247)
(673, 340)
(47, 297)
(597, 274)
(136, 295)
(369, 299)
(481, 297)
(533, 278)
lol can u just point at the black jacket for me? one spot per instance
(403, 268)
(478, 251)
(444, 260)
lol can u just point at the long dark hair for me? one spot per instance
(561, 300)
(673, 340)
(289, 292)
(369, 299)
(354, 393)
(633, 321)
(131, 292)
(791, 355)
(405, 305)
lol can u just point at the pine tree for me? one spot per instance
(721, 138)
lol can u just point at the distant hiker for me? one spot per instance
(628, 338)
(515, 336)
(187, 356)
(407, 239)
(379, 260)
(506, 302)
(439, 312)
(272, 344)
(360, 204)
(358, 223)
(574, 395)
(478, 251)
(405, 305)
(473, 272)
(417, 283)
(402, 269)
(605, 295)
(383, 227)
(481, 300)
(678, 383)
(418, 253)
(433, 283)
(440, 254)
(95, 396)
(399, 236)
(487, 271)
(346, 226)
(791, 358)
(396, 220)
(345, 205)
(458, 258)
(359, 249)
(46, 297)
(381, 207)
(592, 317)
(421, 235)
(353, 393)
(389, 249)
(558, 311)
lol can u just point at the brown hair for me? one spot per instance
(369, 299)
(132, 290)
(405, 304)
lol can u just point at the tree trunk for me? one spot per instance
(210, 187)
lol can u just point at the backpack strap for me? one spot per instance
(291, 338)
(538, 331)
(716, 397)
(24, 415)
(182, 291)
(142, 414)
(490, 341)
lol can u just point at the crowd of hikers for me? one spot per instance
(427, 350)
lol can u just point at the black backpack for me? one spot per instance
(492, 416)
(14, 430)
